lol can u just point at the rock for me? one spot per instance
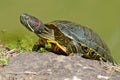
(5, 51)
(49, 66)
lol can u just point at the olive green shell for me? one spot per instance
(83, 35)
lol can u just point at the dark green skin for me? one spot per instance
(81, 39)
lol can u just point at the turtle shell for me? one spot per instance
(66, 31)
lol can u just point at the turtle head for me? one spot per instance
(31, 23)
(35, 25)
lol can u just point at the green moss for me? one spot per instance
(23, 45)
(48, 46)
(41, 50)
(4, 60)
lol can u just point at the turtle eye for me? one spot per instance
(26, 17)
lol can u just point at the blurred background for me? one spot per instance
(103, 16)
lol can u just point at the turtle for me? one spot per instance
(66, 38)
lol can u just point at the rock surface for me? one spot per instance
(49, 66)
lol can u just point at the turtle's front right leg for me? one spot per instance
(40, 43)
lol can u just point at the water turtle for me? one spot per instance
(66, 38)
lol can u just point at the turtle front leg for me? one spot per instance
(57, 48)
(40, 43)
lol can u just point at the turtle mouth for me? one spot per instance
(24, 19)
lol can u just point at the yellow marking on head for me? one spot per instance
(30, 27)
